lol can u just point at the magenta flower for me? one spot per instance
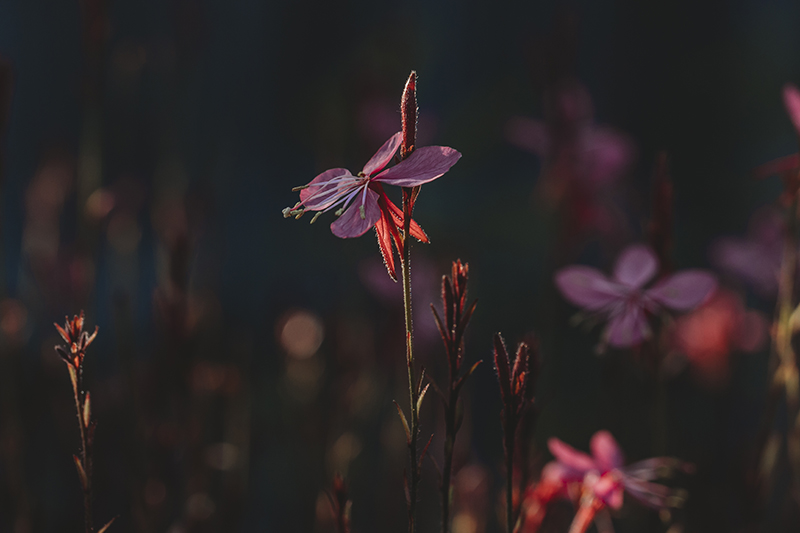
(624, 302)
(604, 475)
(359, 200)
(756, 258)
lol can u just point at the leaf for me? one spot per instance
(501, 364)
(462, 379)
(442, 332)
(424, 451)
(108, 524)
(87, 411)
(73, 376)
(421, 397)
(405, 423)
(467, 315)
(81, 471)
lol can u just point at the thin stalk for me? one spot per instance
(449, 444)
(510, 431)
(412, 380)
(86, 458)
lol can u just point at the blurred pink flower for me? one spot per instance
(623, 300)
(756, 258)
(604, 476)
(709, 334)
(570, 142)
(786, 167)
(357, 197)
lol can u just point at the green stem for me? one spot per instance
(412, 385)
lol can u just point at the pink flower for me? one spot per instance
(359, 199)
(756, 258)
(623, 300)
(709, 334)
(605, 477)
(786, 167)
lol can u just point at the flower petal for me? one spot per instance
(606, 451)
(609, 489)
(423, 165)
(635, 266)
(569, 457)
(587, 287)
(528, 134)
(327, 188)
(791, 100)
(350, 224)
(685, 290)
(628, 328)
(384, 154)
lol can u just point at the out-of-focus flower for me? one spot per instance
(788, 167)
(580, 160)
(624, 302)
(570, 141)
(361, 198)
(603, 479)
(756, 258)
(709, 334)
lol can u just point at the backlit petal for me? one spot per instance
(587, 287)
(385, 154)
(685, 290)
(350, 224)
(635, 266)
(606, 451)
(791, 100)
(328, 188)
(628, 328)
(569, 456)
(423, 165)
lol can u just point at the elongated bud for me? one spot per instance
(408, 111)
(87, 411)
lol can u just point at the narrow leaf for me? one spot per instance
(87, 410)
(81, 472)
(73, 376)
(501, 364)
(436, 466)
(421, 397)
(462, 379)
(440, 326)
(405, 423)
(105, 527)
(424, 451)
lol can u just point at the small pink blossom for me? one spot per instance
(709, 334)
(357, 198)
(755, 258)
(605, 477)
(623, 300)
(786, 167)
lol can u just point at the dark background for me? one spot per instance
(195, 119)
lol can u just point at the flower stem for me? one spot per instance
(408, 107)
(86, 458)
(412, 386)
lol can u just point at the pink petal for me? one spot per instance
(423, 165)
(587, 287)
(606, 154)
(569, 456)
(327, 188)
(635, 266)
(610, 490)
(628, 328)
(606, 451)
(685, 290)
(350, 224)
(385, 154)
(528, 134)
(791, 100)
